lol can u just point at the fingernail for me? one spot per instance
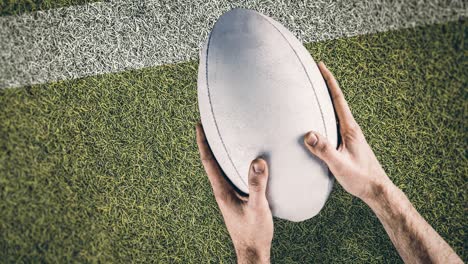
(258, 167)
(311, 139)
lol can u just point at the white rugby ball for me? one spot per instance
(259, 93)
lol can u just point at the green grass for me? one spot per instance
(16, 7)
(106, 168)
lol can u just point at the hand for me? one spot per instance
(248, 220)
(357, 169)
(353, 164)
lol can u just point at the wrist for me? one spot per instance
(380, 190)
(252, 255)
(388, 201)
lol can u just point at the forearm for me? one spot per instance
(413, 237)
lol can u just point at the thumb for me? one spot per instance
(320, 147)
(258, 179)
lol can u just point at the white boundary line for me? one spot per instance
(119, 35)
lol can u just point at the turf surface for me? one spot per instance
(105, 168)
(17, 7)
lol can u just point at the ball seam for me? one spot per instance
(212, 111)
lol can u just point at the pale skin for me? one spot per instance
(249, 220)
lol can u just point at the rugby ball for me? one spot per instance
(259, 93)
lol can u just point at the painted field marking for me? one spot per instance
(119, 35)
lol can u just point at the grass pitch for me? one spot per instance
(106, 169)
(17, 7)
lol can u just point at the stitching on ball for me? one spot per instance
(212, 111)
(305, 70)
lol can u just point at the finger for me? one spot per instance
(343, 112)
(258, 179)
(320, 147)
(223, 192)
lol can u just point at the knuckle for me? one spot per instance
(256, 183)
(337, 96)
(348, 135)
(206, 159)
(323, 147)
(352, 131)
(221, 196)
(354, 127)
